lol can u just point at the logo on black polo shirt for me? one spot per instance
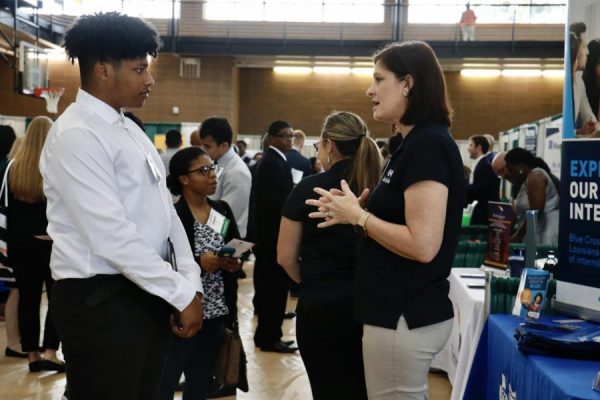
(388, 176)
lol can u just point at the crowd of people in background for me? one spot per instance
(367, 229)
(533, 186)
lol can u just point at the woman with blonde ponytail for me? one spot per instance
(323, 261)
(30, 247)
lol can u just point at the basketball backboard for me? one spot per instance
(33, 68)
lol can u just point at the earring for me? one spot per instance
(329, 159)
(405, 93)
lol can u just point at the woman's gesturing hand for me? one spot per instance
(337, 206)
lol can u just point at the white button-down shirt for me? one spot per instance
(108, 212)
(279, 151)
(233, 187)
(473, 166)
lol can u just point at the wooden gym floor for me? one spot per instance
(271, 376)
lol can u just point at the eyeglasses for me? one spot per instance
(206, 170)
(286, 136)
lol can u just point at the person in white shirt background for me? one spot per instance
(110, 215)
(173, 141)
(242, 146)
(235, 181)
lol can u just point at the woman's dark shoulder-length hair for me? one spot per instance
(428, 98)
(179, 165)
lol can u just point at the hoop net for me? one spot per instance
(52, 96)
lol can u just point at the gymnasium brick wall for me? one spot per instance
(481, 105)
(216, 92)
(252, 98)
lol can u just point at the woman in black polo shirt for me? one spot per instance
(411, 225)
(324, 262)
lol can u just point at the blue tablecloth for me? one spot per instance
(501, 371)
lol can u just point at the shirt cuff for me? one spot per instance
(184, 294)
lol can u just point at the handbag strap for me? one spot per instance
(4, 188)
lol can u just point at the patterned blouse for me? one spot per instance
(213, 301)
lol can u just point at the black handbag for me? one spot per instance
(230, 365)
(6, 272)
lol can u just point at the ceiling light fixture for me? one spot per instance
(480, 73)
(332, 70)
(522, 73)
(362, 71)
(553, 73)
(293, 70)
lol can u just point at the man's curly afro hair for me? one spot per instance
(109, 37)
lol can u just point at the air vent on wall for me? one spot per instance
(189, 67)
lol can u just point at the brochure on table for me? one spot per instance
(531, 296)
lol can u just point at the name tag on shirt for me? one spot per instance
(297, 175)
(218, 222)
(387, 176)
(153, 168)
(220, 172)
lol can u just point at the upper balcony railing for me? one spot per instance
(343, 20)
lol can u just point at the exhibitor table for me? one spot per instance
(500, 370)
(469, 318)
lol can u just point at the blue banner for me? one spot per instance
(579, 237)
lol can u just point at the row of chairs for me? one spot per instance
(472, 247)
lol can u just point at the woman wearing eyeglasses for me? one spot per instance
(323, 261)
(209, 226)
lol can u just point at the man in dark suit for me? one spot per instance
(295, 158)
(272, 182)
(484, 184)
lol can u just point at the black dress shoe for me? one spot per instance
(289, 315)
(49, 365)
(8, 352)
(287, 342)
(278, 347)
(36, 366)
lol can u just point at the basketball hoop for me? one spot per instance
(51, 95)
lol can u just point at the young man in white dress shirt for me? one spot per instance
(117, 294)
